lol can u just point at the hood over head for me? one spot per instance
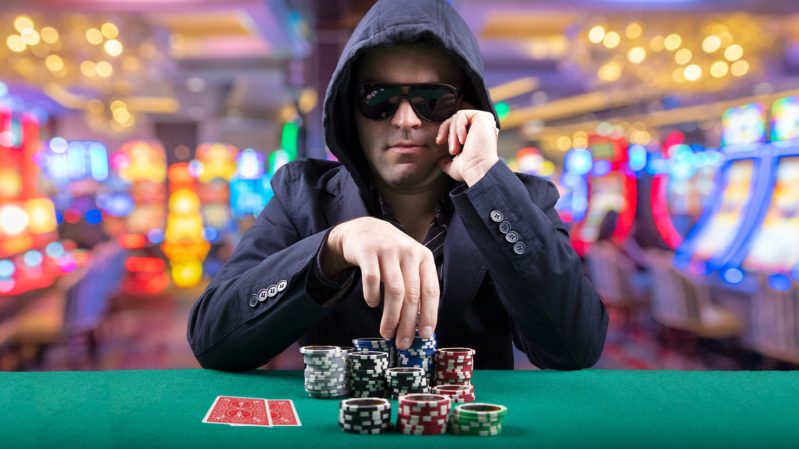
(391, 22)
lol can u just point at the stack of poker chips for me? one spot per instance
(454, 366)
(367, 371)
(423, 414)
(378, 344)
(325, 371)
(421, 354)
(457, 393)
(477, 419)
(403, 381)
(365, 415)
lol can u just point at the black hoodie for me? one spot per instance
(509, 273)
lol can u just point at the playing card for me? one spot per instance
(283, 413)
(238, 412)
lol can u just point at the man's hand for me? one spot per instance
(404, 266)
(472, 139)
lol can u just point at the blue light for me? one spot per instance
(637, 157)
(117, 205)
(59, 217)
(210, 234)
(33, 258)
(601, 168)
(54, 249)
(93, 216)
(3, 89)
(58, 145)
(7, 268)
(578, 161)
(733, 275)
(98, 159)
(155, 236)
(779, 282)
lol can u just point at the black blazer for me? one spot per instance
(498, 287)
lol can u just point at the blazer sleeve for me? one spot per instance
(557, 317)
(258, 304)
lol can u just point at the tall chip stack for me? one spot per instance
(421, 354)
(378, 344)
(454, 366)
(367, 372)
(365, 416)
(325, 371)
(403, 381)
(423, 414)
(477, 419)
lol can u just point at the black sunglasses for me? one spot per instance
(433, 102)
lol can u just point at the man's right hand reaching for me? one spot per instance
(404, 266)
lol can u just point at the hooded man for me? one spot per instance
(419, 228)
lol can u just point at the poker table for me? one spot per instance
(579, 409)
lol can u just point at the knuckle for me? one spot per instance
(395, 290)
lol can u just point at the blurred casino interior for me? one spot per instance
(138, 139)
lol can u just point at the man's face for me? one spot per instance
(402, 151)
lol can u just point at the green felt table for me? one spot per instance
(581, 409)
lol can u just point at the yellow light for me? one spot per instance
(22, 23)
(683, 56)
(54, 63)
(184, 201)
(130, 64)
(547, 169)
(634, 30)
(30, 36)
(719, 69)
(679, 75)
(121, 115)
(15, 43)
(739, 68)
(88, 68)
(656, 44)
(693, 72)
(672, 42)
(186, 275)
(612, 39)
(118, 104)
(580, 142)
(113, 47)
(609, 72)
(636, 55)
(596, 34)
(563, 143)
(94, 36)
(49, 35)
(42, 215)
(10, 183)
(109, 30)
(734, 52)
(580, 134)
(711, 44)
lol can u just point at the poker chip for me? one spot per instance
(401, 381)
(326, 371)
(367, 371)
(477, 419)
(423, 414)
(421, 354)
(365, 415)
(378, 344)
(453, 366)
(457, 393)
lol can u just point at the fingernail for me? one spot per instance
(427, 332)
(405, 343)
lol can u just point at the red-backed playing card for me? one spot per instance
(238, 412)
(283, 413)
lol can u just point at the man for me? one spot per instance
(419, 208)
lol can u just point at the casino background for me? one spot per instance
(138, 138)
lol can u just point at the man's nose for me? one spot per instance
(406, 117)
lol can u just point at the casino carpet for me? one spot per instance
(152, 335)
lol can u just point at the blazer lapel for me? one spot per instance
(346, 203)
(463, 271)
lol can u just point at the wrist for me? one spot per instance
(331, 258)
(477, 171)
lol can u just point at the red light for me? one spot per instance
(132, 241)
(145, 264)
(72, 216)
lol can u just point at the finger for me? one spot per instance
(406, 329)
(442, 131)
(428, 307)
(445, 164)
(453, 144)
(370, 278)
(461, 129)
(394, 289)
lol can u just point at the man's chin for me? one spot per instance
(414, 180)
